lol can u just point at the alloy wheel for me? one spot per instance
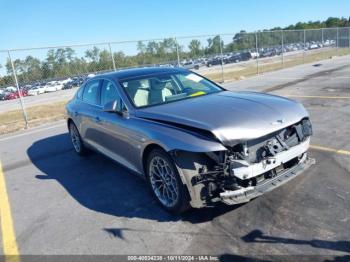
(74, 134)
(163, 181)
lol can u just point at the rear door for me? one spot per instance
(89, 111)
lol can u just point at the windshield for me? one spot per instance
(164, 88)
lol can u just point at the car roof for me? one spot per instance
(137, 72)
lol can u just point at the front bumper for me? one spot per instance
(246, 194)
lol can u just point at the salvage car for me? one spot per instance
(194, 142)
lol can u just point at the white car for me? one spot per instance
(11, 89)
(90, 75)
(313, 46)
(36, 90)
(65, 81)
(59, 85)
(53, 86)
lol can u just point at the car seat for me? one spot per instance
(158, 92)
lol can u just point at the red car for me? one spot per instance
(14, 95)
(10, 96)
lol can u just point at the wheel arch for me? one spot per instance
(146, 151)
(69, 121)
(187, 164)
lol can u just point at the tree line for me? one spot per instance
(64, 62)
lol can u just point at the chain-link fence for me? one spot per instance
(221, 57)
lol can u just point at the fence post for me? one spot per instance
(322, 36)
(257, 53)
(304, 46)
(222, 61)
(110, 51)
(337, 39)
(349, 36)
(282, 44)
(177, 52)
(18, 90)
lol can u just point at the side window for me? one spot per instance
(108, 93)
(91, 92)
(80, 92)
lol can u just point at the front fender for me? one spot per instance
(173, 138)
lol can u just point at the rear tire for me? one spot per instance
(77, 142)
(165, 182)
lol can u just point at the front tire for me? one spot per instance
(77, 142)
(165, 182)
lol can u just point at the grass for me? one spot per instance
(13, 120)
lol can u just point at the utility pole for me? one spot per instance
(177, 52)
(257, 53)
(282, 48)
(304, 46)
(18, 90)
(222, 61)
(110, 51)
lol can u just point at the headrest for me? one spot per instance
(157, 85)
(134, 84)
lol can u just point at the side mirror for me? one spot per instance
(112, 107)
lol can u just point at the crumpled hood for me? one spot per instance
(230, 116)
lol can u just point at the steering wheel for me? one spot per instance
(188, 90)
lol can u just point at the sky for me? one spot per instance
(36, 23)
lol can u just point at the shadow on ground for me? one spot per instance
(104, 186)
(257, 236)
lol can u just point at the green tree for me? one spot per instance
(195, 48)
(214, 45)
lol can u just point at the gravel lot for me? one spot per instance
(64, 204)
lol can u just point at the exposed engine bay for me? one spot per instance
(253, 167)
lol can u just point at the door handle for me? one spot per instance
(76, 113)
(97, 119)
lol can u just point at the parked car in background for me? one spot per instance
(37, 90)
(16, 94)
(68, 85)
(10, 96)
(254, 55)
(53, 86)
(65, 81)
(233, 58)
(11, 89)
(313, 46)
(90, 75)
(191, 65)
(75, 82)
(245, 56)
(50, 87)
(214, 61)
(2, 94)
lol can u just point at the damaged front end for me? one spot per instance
(251, 168)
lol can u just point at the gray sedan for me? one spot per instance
(194, 142)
